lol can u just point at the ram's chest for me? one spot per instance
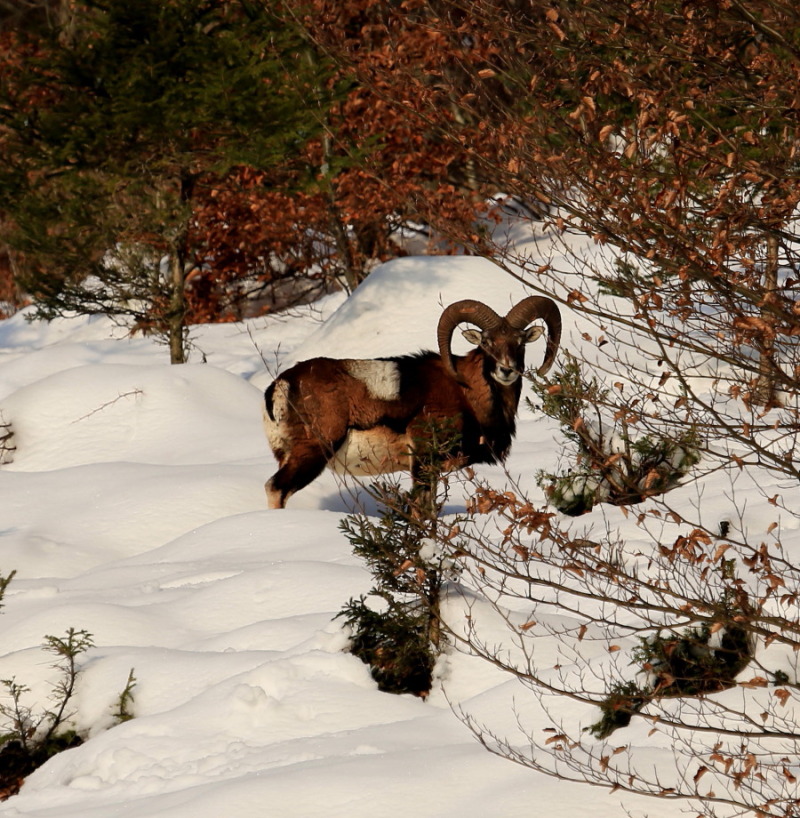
(373, 451)
(493, 405)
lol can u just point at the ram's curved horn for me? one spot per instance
(528, 310)
(473, 312)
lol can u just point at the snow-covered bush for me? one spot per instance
(610, 465)
(30, 736)
(699, 660)
(395, 629)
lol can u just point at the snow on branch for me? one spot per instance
(7, 446)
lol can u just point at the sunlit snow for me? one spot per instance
(135, 509)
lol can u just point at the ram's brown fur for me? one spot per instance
(364, 417)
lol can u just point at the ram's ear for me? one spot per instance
(532, 333)
(474, 336)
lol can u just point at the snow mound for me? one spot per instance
(143, 414)
(395, 311)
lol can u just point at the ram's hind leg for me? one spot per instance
(275, 497)
(299, 467)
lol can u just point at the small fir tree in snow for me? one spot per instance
(396, 628)
(31, 737)
(699, 660)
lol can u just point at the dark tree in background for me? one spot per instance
(112, 129)
(277, 146)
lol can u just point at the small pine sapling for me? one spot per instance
(7, 444)
(44, 733)
(124, 711)
(396, 627)
(4, 583)
(31, 739)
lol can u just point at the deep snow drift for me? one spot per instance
(135, 509)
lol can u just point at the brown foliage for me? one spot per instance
(386, 163)
(385, 166)
(383, 169)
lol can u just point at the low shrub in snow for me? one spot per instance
(396, 628)
(610, 465)
(7, 444)
(699, 660)
(30, 736)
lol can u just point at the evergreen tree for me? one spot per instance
(110, 129)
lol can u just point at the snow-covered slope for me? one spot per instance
(135, 510)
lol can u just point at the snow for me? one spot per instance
(389, 318)
(134, 509)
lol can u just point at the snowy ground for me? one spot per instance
(135, 509)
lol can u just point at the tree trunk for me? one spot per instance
(176, 309)
(352, 276)
(764, 393)
(176, 313)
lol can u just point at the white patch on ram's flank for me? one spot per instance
(371, 452)
(275, 427)
(382, 378)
